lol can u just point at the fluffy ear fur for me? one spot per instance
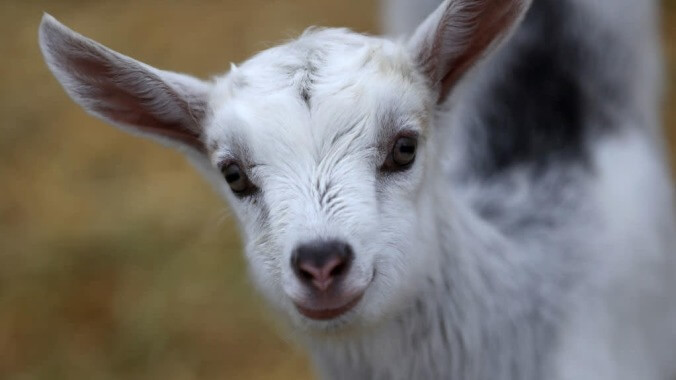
(167, 106)
(458, 33)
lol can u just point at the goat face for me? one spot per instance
(325, 139)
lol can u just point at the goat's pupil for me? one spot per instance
(232, 177)
(407, 149)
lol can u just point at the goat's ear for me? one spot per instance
(458, 33)
(140, 99)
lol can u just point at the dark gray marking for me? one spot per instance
(547, 96)
(312, 64)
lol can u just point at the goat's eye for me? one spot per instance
(403, 152)
(402, 155)
(237, 179)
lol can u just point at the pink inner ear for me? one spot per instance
(135, 115)
(483, 22)
(129, 109)
(147, 103)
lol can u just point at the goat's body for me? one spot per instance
(554, 223)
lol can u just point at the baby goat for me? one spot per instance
(485, 200)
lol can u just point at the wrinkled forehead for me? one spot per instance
(308, 94)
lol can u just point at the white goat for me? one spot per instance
(416, 211)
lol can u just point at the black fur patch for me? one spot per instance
(548, 98)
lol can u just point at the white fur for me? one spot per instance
(449, 294)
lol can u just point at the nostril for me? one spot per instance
(304, 275)
(338, 269)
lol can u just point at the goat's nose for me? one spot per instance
(321, 263)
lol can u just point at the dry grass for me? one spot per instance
(116, 259)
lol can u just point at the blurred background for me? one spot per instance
(116, 259)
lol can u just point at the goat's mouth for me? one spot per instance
(328, 311)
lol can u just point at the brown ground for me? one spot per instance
(116, 259)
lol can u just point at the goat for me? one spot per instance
(487, 199)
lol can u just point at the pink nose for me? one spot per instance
(320, 264)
